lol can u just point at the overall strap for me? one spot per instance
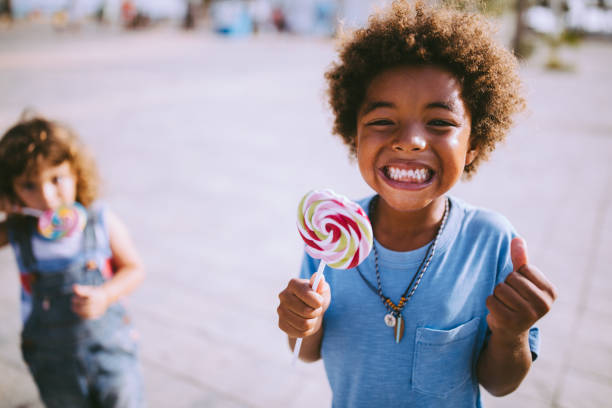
(89, 235)
(21, 228)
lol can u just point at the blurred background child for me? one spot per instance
(77, 339)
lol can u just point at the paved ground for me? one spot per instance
(206, 145)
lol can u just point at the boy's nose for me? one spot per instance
(410, 139)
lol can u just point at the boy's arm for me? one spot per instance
(516, 304)
(92, 301)
(504, 363)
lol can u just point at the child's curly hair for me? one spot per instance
(418, 34)
(30, 140)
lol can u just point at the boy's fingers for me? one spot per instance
(287, 328)
(322, 286)
(298, 322)
(539, 279)
(519, 282)
(301, 308)
(292, 331)
(302, 290)
(520, 263)
(518, 253)
(293, 324)
(297, 307)
(497, 309)
(509, 297)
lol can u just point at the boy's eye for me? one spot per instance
(380, 122)
(56, 179)
(441, 123)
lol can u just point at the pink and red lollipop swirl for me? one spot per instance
(335, 229)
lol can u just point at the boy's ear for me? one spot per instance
(470, 155)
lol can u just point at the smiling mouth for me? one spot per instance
(419, 175)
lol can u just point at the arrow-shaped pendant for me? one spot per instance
(399, 328)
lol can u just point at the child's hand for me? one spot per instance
(7, 206)
(89, 302)
(301, 309)
(522, 299)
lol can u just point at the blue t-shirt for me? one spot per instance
(434, 365)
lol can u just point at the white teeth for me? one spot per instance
(414, 176)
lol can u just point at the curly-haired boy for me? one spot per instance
(447, 300)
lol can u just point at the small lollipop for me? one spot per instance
(63, 221)
(336, 230)
(60, 222)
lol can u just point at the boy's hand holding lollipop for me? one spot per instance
(338, 232)
(301, 309)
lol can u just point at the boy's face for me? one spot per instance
(413, 132)
(48, 188)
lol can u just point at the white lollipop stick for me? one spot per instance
(315, 286)
(29, 211)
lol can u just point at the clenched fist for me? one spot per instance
(522, 298)
(301, 309)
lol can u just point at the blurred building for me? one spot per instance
(354, 13)
(81, 8)
(229, 17)
(301, 13)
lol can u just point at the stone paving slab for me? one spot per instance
(206, 145)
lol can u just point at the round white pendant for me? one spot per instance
(390, 320)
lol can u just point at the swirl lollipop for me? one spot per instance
(63, 221)
(336, 230)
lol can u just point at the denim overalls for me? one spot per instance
(76, 362)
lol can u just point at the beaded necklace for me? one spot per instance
(394, 316)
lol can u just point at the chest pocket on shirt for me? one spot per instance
(443, 358)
